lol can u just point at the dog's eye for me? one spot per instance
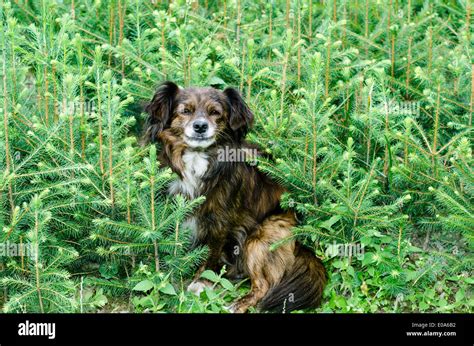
(214, 112)
(187, 111)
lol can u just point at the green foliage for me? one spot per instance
(149, 293)
(42, 284)
(365, 107)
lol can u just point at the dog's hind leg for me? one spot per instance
(266, 268)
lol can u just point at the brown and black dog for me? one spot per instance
(241, 216)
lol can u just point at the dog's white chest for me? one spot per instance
(195, 166)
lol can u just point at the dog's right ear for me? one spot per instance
(160, 111)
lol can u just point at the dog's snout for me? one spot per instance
(200, 126)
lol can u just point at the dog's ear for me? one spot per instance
(240, 117)
(160, 110)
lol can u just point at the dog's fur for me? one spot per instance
(241, 216)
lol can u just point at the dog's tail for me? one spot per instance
(300, 287)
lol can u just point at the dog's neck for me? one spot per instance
(190, 164)
(195, 165)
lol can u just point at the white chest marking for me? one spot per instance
(191, 224)
(195, 166)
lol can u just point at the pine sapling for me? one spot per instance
(468, 21)
(46, 94)
(98, 87)
(366, 23)
(121, 13)
(55, 91)
(407, 80)
(37, 264)
(163, 48)
(287, 14)
(8, 163)
(238, 22)
(286, 58)
(111, 28)
(224, 15)
(299, 45)
(110, 123)
(430, 48)
(472, 95)
(80, 61)
(328, 63)
(310, 20)
(392, 56)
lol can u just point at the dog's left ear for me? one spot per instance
(160, 111)
(240, 117)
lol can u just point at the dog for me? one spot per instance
(241, 216)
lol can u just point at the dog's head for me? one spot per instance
(199, 116)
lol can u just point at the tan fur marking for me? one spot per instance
(266, 267)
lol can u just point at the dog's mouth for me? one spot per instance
(199, 141)
(198, 138)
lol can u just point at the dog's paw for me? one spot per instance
(235, 308)
(198, 286)
(230, 309)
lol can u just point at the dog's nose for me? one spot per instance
(200, 126)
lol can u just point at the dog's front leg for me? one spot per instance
(198, 285)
